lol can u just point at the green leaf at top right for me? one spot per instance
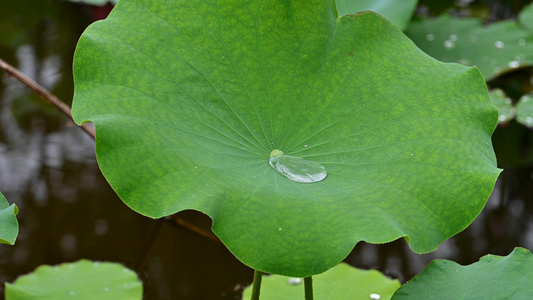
(493, 48)
(493, 277)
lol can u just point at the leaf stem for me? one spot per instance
(258, 276)
(308, 285)
(44, 93)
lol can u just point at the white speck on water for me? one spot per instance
(521, 42)
(449, 44)
(499, 45)
(430, 37)
(514, 64)
(452, 37)
(375, 296)
(294, 281)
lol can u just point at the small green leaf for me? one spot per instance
(296, 168)
(398, 12)
(342, 282)
(493, 49)
(493, 277)
(524, 110)
(82, 280)
(506, 111)
(9, 227)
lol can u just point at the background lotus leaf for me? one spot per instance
(493, 48)
(524, 110)
(398, 12)
(188, 109)
(506, 111)
(80, 280)
(9, 227)
(493, 277)
(342, 282)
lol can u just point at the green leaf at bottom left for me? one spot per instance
(80, 280)
(9, 227)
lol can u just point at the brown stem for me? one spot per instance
(181, 222)
(44, 93)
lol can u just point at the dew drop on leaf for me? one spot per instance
(375, 296)
(499, 44)
(296, 168)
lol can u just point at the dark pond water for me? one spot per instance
(69, 212)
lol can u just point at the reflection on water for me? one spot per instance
(68, 211)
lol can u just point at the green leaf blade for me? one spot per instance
(341, 282)
(80, 280)
(493, 277)
(188, 114)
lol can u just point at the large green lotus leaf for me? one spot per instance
(9, 227)
(398, 12)
(493, 277)
(82, 280)
(342, 282)
(189, 99)
(494, 48)
(504, 104)
(524, 110)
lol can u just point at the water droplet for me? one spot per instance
(514, 64)
(279, 228)
(412, 154)
(96, 263)
(452, 37)
(222, 56)
(521, 42)
(375, 296)
(305, 146)
(196, 167)
(430, 37)
(294, 281)
(449, 44)
(502, 118)
(529, 120)
(499, 45)
(296, 168)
